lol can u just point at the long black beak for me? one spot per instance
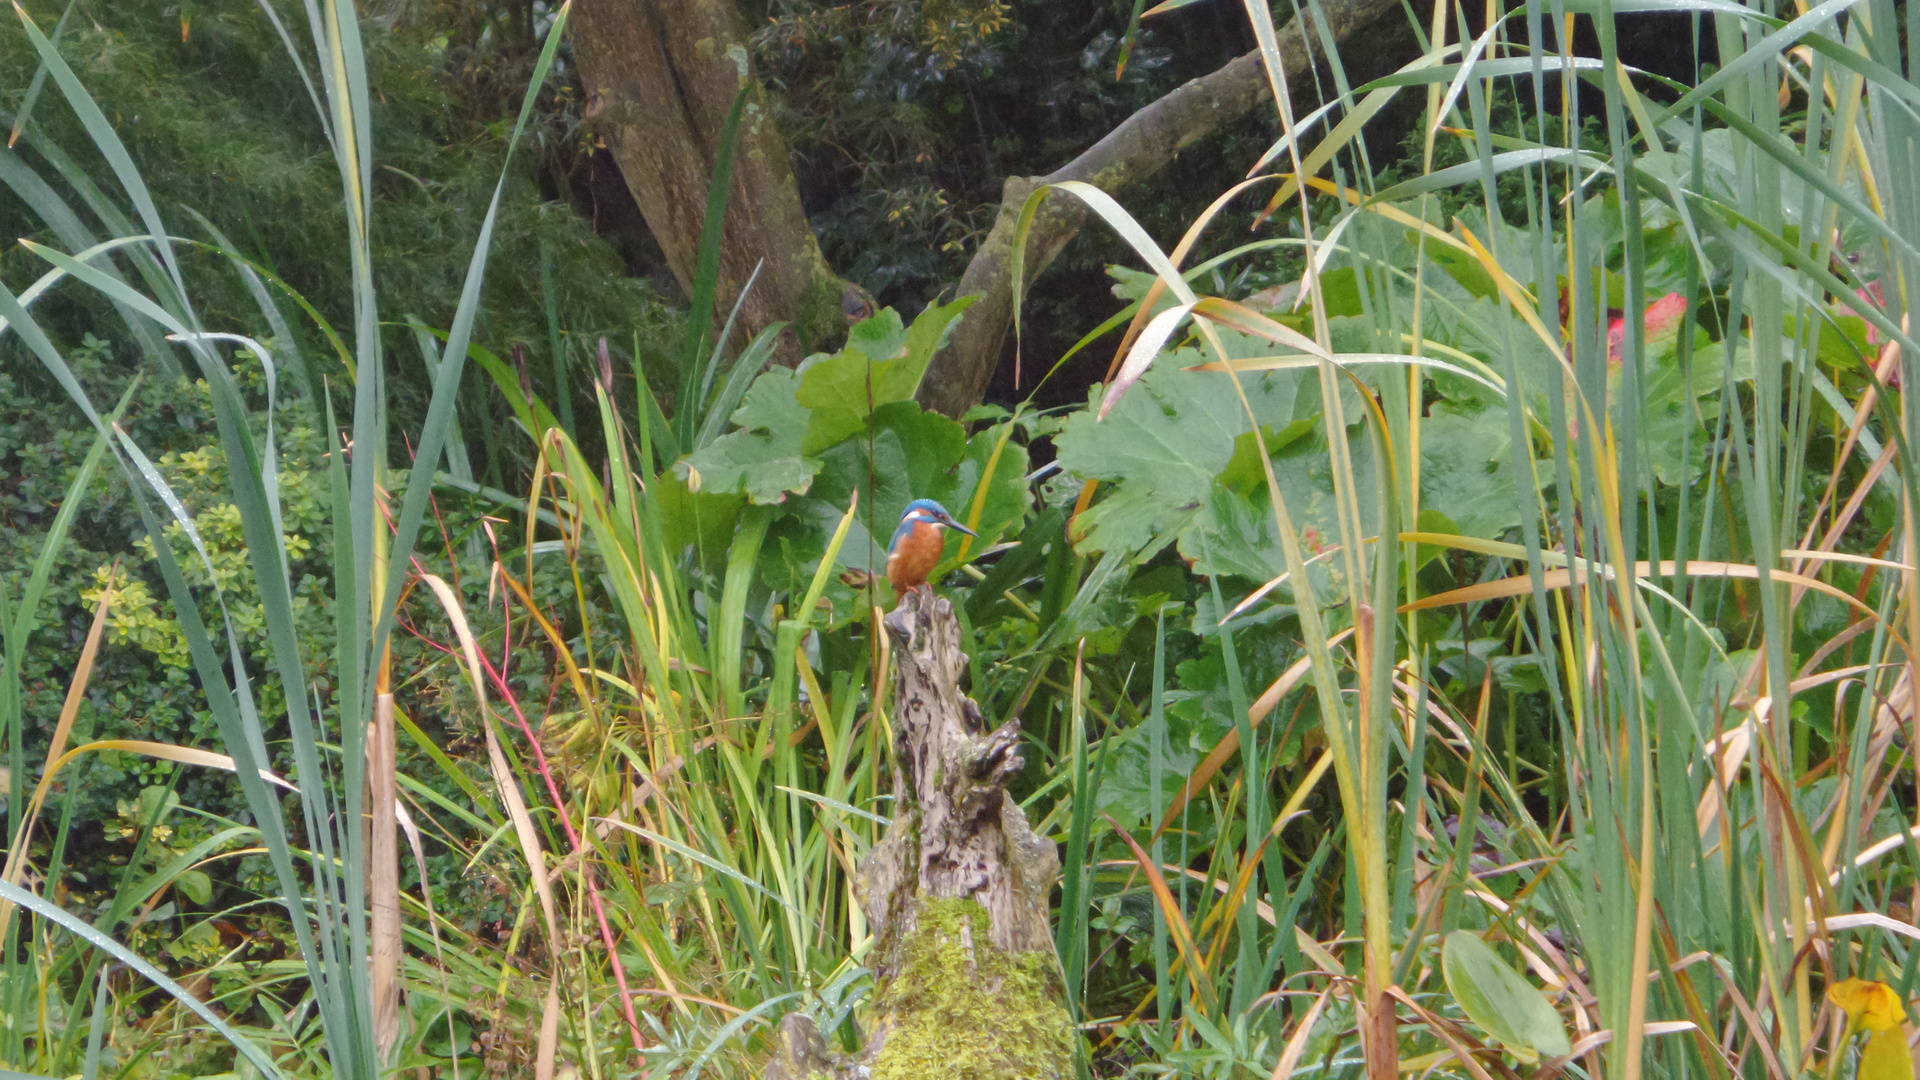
(952, 524)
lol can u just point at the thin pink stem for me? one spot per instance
(573, 838)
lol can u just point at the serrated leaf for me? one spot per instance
(908, 456)
(763, 459)
(1502, 1003)
(1161, 447)
(880, 337)
(1466, 470)
(882, 364)
(1235, 534)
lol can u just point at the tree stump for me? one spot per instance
(967, 984)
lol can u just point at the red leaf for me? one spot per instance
(1873, 295)
(1662, 319)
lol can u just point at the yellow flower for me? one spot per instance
(1870, 1006)
(1886, 1056)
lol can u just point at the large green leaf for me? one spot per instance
(1466, 470)
(1008, 497)
(882, 363)
(1180, 463)
(787, 418)
(907, 455)
(1161, 448)
(763, 459)
(1495, 997)
(1665, 416)
(704, 520)
(1234, 534)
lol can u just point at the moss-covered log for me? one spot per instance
(967, 984)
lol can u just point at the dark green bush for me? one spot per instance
(220, 124)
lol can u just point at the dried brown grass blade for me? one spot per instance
(522, 822)
(383, 873)
(1562, 578)
(1196, 964)
(76, 693)
(1297, 1043)
(548, 1049)
(433, 919)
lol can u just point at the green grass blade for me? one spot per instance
(748, 365)
(96, 1032)
(440, 408)
(56, 914)
(39, 79)
(107, 141)
(66, 225)
(300, 65)
(726, 635)
(1070, 936)
(562, 392)
(269, 308)
(695, 405)
(706, 278)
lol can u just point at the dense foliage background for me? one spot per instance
(1578, 326)
(215, 119)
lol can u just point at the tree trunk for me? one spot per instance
(660, 78)
(966, 982)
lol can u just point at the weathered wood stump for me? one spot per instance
(966, 981)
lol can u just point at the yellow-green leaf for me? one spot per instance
(195, 886)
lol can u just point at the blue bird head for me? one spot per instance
(926, 510)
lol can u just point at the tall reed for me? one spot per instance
(1718, 856)
(324, 887)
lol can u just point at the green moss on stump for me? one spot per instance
(820, 320)
(971, 1014)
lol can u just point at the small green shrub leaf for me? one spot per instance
(1495, 997)
(195, 886)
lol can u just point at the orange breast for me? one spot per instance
(915, 556)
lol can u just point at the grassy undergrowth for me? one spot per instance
(1490, 655)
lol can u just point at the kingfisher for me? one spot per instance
(918, 544)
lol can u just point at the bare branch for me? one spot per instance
(1140, 147)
